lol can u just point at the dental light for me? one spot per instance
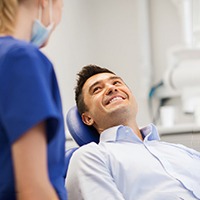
(183, 77)
(184, 70)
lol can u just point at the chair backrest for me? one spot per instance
(68, 155)
(80, 132)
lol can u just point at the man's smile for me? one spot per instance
(114, 99)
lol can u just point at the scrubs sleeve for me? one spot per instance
(26, 96)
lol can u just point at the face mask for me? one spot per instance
(40, 33)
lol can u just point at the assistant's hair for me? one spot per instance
(8, 10)
(83, 75)
(8, 14)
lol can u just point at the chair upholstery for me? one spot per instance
(80, 132)
(68, 154)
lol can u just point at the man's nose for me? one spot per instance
(111, 89)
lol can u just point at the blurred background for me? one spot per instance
(152, 44)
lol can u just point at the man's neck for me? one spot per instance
(138, 133)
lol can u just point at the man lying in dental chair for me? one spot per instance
(128, 163)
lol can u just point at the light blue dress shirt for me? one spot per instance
(122, 167)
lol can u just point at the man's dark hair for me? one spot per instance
(83, 76)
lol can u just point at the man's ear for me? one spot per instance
(87, 119)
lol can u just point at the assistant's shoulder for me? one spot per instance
(25, 56)
(18, 48)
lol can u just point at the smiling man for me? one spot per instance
(129, 163)
(117, 106)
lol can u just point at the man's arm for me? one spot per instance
(30, 165)
(89, 177)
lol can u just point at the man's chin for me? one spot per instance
(118, 109)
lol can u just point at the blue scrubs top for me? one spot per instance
(29, 94)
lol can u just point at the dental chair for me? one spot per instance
(81, 133)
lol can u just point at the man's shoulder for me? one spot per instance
(89, 151)
(88, 148)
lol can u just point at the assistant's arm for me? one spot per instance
(89, 176)
(30, 165)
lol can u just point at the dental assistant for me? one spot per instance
(32, 139)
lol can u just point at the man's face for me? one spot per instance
(109, 101)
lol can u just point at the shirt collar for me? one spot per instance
(125, 133)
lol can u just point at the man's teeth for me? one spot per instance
(115, 99)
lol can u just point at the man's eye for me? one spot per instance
(96, 89)
(117, 83)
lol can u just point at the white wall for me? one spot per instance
(166, 32)
(113, 34)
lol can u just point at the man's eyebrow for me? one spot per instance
(93, 85)
(115, 77)
(110, 78)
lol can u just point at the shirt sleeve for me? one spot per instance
(89, 177)
(25, 93)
